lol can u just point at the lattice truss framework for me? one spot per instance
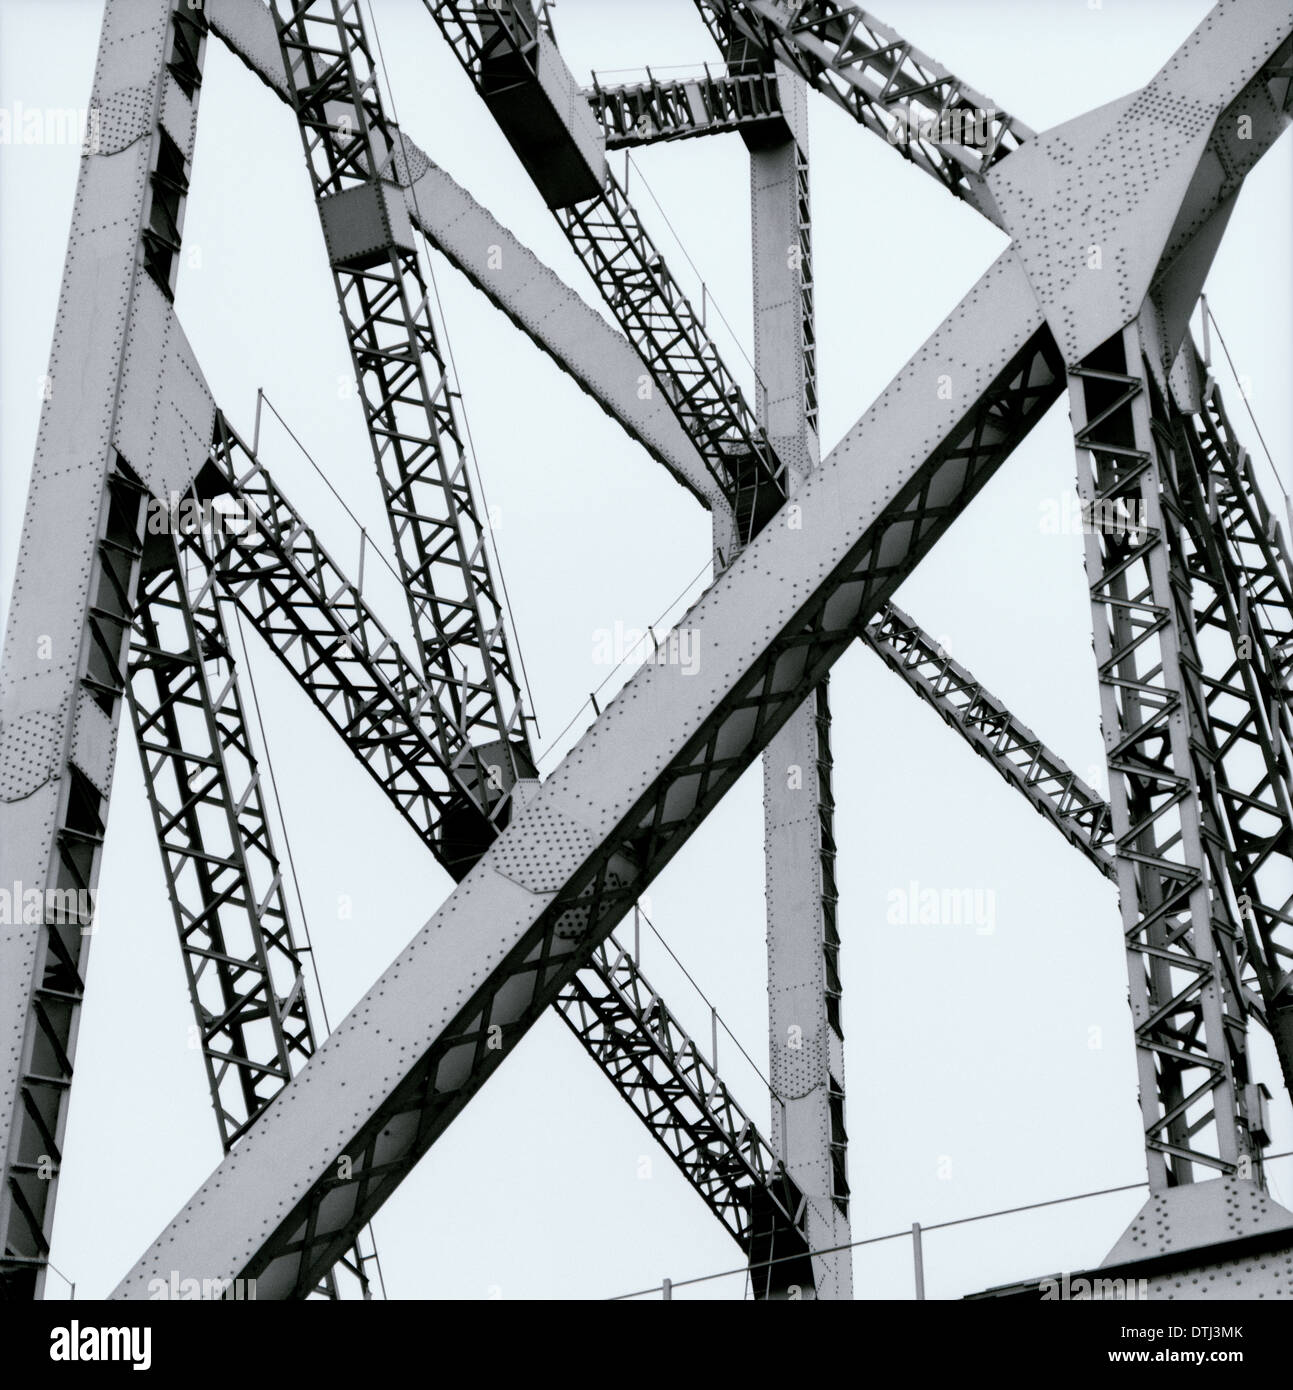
(1192, 614)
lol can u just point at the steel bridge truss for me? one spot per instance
(1192, 613)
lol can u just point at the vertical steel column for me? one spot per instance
(1188, 1095)
(65, 645)
(806, 1049)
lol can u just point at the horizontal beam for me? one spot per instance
(318, 624)
(650, 112)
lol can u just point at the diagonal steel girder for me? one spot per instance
(943, 126)
(590, 350)
(490, 257)
(317, 623)
(237, 22)
(952, 92)
(512, 59)
(465, 231)
(618, 1017)
(631, 805)
(245, 972)
(1048, 783)
(507, 53)
(621, 805)
(59, 1003)
(441, 543)
(458, 226)
(600, 359)
(325, 72)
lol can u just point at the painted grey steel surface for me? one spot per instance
(316, 1205)
(805, 1042)
(247, 26)
(319, 626)
(1159, 165)
(659, 755)
(538, 302)
(812, 553)
(125, 409)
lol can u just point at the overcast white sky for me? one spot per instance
(972, 1083)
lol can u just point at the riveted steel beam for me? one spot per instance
(621, 804)
(585, 346)
(805, 1027)
(506, 51)
(319, 625)
(117, 420)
